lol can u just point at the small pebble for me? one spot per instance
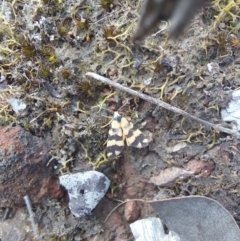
(85, 190)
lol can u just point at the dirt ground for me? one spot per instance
(45, 51)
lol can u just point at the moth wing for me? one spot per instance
(115, 142)
(134, 137)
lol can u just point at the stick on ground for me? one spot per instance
(31, 216)
(162, 104)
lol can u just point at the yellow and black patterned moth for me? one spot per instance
(121, 129)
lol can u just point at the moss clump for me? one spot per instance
(49, 53)
(28, 50)
(87, 89)
(81, 23)
(108, 31)
(65, 73)
(106, 4)
(45, 73)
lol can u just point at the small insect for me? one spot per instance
(120, 130)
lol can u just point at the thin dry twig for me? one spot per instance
(162, 104)
(123, 202)
(6, 214)
(31, 216)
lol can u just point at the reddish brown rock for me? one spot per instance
(115, 220)
(131, 211)
(23, 169)
(203, 167)
(115, 228)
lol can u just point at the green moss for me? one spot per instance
(62, 31)
(45, 73)
(108, 31)
(81, 24)
(106, 4)
(49, 53)
(65, 73)
(52, 59)
(28, 50)
(87, 89)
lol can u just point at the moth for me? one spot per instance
(120, 130)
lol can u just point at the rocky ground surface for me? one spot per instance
(46, 48)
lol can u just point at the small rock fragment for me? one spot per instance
(213, 68)
(170, 175)
(199, 166)
(177, 147)
(194, 167)
(115, 220)
(232, 112)
(148, 81)
(85, 190)
(131, 211)
(17, 105)
(151, 229)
